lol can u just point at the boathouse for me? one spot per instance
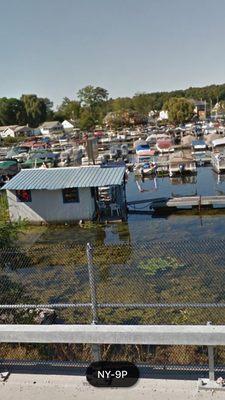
(58, 195)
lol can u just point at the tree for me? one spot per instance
(143, 103)
(180, 110)
(49, 109)
(87, 121)
(36, 109)
(91, 96)
(124, 118)
(12, 112)
(69, 109)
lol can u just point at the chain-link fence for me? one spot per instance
(133, 283)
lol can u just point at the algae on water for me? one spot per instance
(152, 265)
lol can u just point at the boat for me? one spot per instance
(181, 163)
(148, 168)
(8, 169)
(124, 150)
(115, 151)
(218, 143)
(18, 153)
(218, 162)
(38, 159)
(199, 145)
(164, 145)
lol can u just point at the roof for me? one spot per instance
(50, 124)
(198, 143)
(164, 143)
(68, 177)
(181, 156)
(5, 127)
(22, 128)
(218, 142)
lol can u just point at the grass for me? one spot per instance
(8, 230)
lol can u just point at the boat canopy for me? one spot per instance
(199, 144)
(218, 142)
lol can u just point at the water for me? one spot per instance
(182, 225)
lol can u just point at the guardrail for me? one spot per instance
(204, 335)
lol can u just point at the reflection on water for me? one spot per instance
(144, 227)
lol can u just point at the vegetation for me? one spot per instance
(180, 110)
(93, 105)
(153, 265)
(8, 231)
(29, 109)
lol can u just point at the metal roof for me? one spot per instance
(62, 178)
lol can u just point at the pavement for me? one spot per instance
(67, 387)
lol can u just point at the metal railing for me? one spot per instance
(175, 284)
(208, 335)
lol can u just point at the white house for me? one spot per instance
(7, 131)
(163, 115)
(68, 126)
(51, 128)
(57, 195)
(15, 131)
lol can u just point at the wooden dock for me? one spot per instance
(184, 202)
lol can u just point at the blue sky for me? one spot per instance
(55, 47)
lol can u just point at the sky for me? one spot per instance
(55, 47)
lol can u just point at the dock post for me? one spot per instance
(94, 305)
(199, 204)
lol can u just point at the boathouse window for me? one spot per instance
(24, 196)
(70, 195)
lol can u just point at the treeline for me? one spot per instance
(29, 109)
(92, 104)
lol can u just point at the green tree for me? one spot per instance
(69, 109)
(87, 120)
(12, 112)
(36, 109)
(49, 109)
(124, 118)
(92, 97)
(180, 110)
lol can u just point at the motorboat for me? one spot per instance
(181, 163)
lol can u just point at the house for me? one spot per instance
(15, 131)
(23, 131)
(68, 126)
(163, 115)
(58, 195)
(51, 128)
(200, 109)
(8, 131)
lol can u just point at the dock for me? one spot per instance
(183, 202)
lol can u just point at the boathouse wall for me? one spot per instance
(48, 206)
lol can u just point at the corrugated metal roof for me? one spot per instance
(62, 178)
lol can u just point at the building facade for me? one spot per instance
(68, 194)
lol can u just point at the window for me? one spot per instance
(70, 195)
(24, 196)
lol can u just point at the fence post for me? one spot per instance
(211, 361)
(94, 305)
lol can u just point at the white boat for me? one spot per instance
(218, 142)
(147, 168)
